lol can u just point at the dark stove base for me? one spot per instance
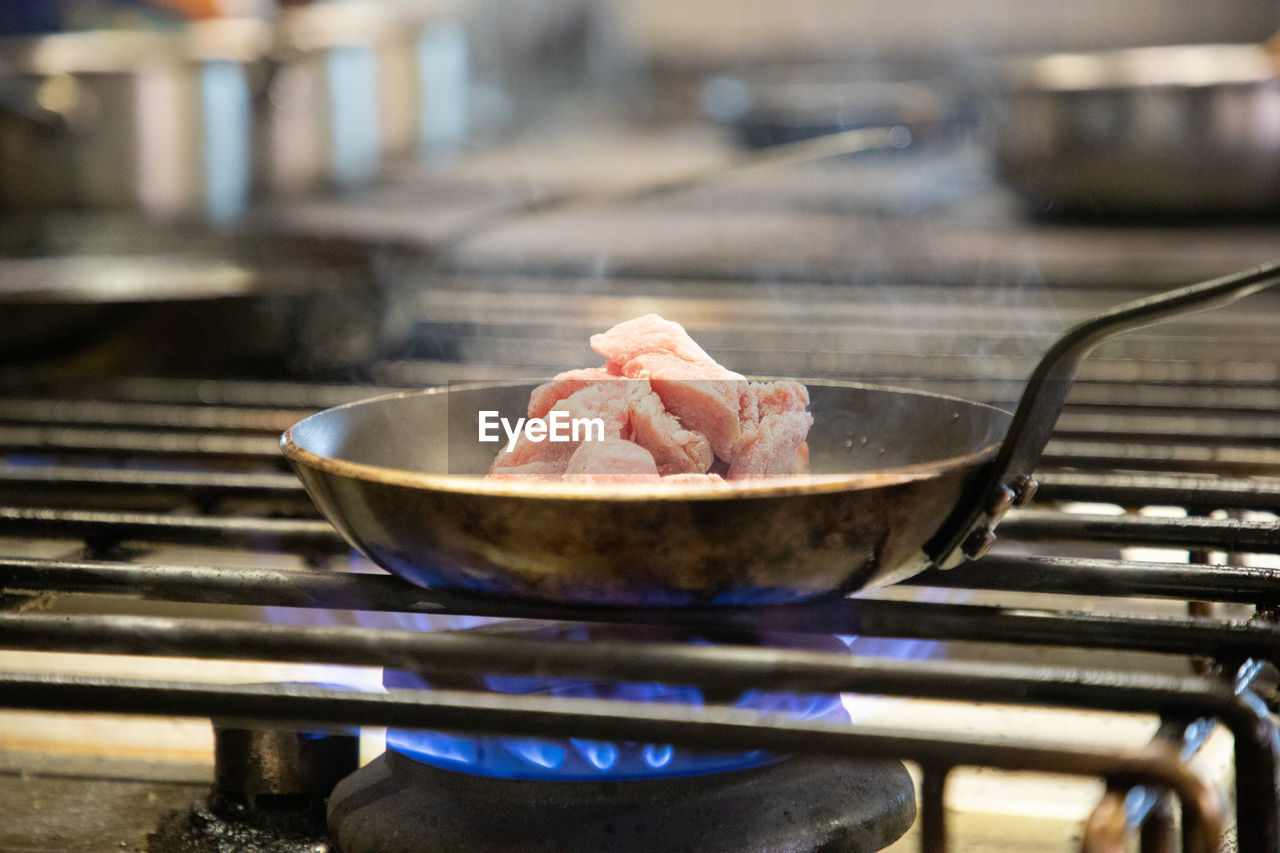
(201, 829)
(397, 805)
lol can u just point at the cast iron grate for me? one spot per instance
(135, 464)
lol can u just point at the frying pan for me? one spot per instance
(900, 480)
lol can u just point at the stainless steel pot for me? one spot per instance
(1178, 130)
(103, 119)
(344, 92)
(196, 121)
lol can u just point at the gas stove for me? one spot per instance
(1106, 672)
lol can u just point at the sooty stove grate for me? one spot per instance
(101, 486)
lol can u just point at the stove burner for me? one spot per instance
(397, 805)
(574, 759)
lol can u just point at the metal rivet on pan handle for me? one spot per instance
(978, 543)
(1006, 499)
(1024, 489)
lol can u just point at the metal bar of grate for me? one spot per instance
(1209, 534)
(714, 306)
(1147, 428)
(49, 410)
(204, 392)
(208, 447)
(1189, 399)
(611, 719)
(1234, 461)
(720, 667)
(1223, 639)
(812, 358)
(227, 483)
(736, 667)
(870, 330)
(931, 621)
(1113, 578)
(106, 527)
(1196, 492)
(338, 591)
(210, 392)
(1183, 398)
(1124, 809)
(314, 535)
(207, 584)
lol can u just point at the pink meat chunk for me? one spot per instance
(768, 449)
(785, 395)
(748, 407)
(540, 458)
(529, 471)
(692, 420)
(609, 401)
(563, 385)
(709, 407)
(800, 462)
(695, 480)
(758, 451)
(676, 450)
(605, 400)
(647, 335)
(705, 397)
(611, 461)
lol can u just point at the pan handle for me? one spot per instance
(968, 533)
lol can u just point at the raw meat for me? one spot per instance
(648, 335)
(608, 401)
(611, 460)
(548, 394)
(704, 398)
(675, 449)
(785, 395)
(769, 448)
(703, 395)
(695, 480)
(669, 410)
(529, 458)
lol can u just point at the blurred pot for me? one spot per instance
(1165, 131)
(157, 121)
(347, 91)
(194, 122)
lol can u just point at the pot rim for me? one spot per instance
(1182, 66)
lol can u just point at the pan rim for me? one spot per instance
(633, 492)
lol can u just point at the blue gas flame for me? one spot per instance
(583, 759)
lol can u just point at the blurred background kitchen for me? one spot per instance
(407, 192)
